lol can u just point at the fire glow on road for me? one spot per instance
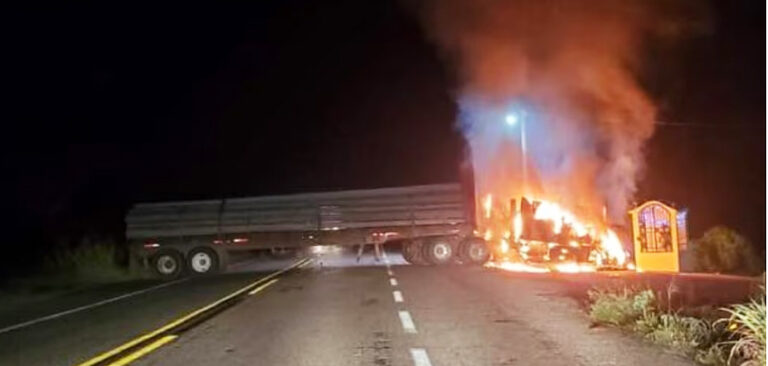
(568, 267)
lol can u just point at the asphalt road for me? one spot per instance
(328, 315)
(73, 338)
(337, 311)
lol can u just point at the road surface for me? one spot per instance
(336, 311)
(73, 338)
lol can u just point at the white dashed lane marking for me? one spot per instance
(405, 319)
(420, 357)
(398, 296)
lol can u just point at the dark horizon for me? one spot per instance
(113, 106)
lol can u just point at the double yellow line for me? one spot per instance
(164, 338)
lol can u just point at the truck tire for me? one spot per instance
(412, 252)
(203, 261)
(438, 251)
(474, 251)
(168, 264)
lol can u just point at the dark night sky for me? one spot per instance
(116, 104)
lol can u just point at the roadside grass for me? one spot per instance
(747, 322)
(619, 306)
(734, 335)
(88, 263)
(66, 270)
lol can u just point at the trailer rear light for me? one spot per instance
(151, 244)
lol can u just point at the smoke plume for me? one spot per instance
(567, 71)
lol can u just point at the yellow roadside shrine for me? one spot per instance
(659, 233)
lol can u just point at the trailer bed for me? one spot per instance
(341, 217)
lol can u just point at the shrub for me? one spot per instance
(723, 250)
(716, 354)
(738, 339)
(620, 307)
(679, 332)
(747, 322)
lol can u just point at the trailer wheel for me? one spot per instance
(474, 251)
(438, 251)
(202, 261)
(168, 264)
(412, 252)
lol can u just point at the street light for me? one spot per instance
(512, 119)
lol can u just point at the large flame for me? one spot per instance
(518, 226)
(613, 247)
(551, 211)
(513, 247)
(487, 205)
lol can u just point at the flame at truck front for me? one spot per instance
(536, 235)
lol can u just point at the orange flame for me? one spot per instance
(572, 267)
(504, 246)
(612, 245)
(487, 205)
(551, 211)
(605, 243)
(518, 226)
(518, 267)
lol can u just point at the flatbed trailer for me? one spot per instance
(197, 237)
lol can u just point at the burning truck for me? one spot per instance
(537, 235)
(551, 104)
